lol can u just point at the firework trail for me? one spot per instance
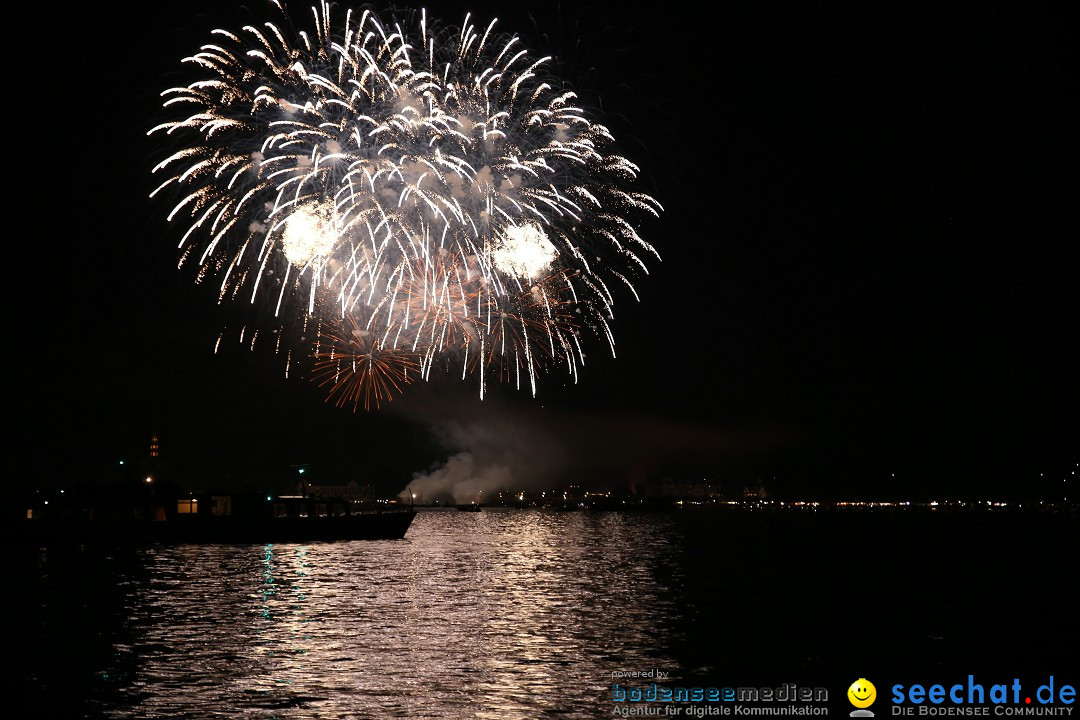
(434, 198)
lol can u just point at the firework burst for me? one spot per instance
(435, 195)
(357, 368)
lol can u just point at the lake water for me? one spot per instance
(529, 613)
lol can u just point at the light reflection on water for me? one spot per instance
(473, 615)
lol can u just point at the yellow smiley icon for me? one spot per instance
(862, 693)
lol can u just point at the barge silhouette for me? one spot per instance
(215, 519)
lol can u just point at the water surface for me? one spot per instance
(525, 614)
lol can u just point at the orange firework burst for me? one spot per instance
(357, 368)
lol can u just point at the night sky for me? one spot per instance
(868, 283)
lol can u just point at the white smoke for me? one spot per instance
(460, 480)
(492, 446)
(486, 457)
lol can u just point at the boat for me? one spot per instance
(215, 520)
(469, 507)
(389, 525)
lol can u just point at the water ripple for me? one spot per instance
(477, 615)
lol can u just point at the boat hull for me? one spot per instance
(390, 525)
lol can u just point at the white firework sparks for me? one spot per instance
(439, 190)
(524, 251)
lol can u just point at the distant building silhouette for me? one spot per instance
(756, 489)
(350, 491)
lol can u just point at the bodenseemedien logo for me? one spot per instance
(862, 694)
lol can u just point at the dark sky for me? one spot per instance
(868, 263)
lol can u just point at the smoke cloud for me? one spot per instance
(488, 446)
(460, 480)
(486, 455)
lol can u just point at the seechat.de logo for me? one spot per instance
(983, 699)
